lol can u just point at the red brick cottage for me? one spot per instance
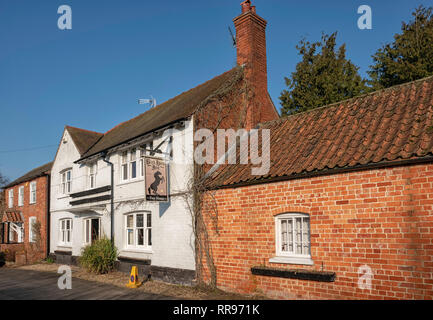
(346, 211)
(24, 225)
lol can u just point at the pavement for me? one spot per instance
(18, 284)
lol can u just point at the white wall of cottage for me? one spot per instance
(172, 235)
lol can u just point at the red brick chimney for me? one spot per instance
(251, 53)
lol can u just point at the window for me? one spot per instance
(32, 234)
(33, 192)
(21, 196)
(129, 165)
(133, 163)
(66, 232)
(92, 175)
(66, 181)
(91, 230)
(125, 165)
(139, 230)
(143, 153)
(16, 232)
(11, 198)
(292, 239)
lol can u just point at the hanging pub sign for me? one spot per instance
(155, 179)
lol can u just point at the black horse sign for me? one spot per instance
(156, 180)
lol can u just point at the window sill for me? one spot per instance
(63, 197)
(148, 251)
(320, 276)
(126, 182)
(293, 260)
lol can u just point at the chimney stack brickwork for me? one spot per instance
(251, 53)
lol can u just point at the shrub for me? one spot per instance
(49, 260)
(99, 257)
(2, 259)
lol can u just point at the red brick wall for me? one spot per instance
(38, 210)
(381, 218)
(251, 52)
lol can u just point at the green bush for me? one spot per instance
(2, 259)
(49, 260)
(99, 257)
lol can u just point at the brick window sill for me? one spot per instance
(320, 276)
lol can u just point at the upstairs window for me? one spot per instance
(66, 179)
(124, 165)
(129, 165)
(92, 175)
(21, 196)
(11, 198)
(33, 192)
(143, 152)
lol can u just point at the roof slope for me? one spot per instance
(177, 108)
(389, 125)
(83, 139)
(35, 173)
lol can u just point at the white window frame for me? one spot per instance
(11, 198)
(64, 232)
(147, 229)
(17, 227)
(33, 195)
(65, 183)
(32, 220)
(92, 173)
(292, 257)
(143, 153)
(129, 159)
(87, 230)
(21, 196)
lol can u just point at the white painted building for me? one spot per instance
(156, 236)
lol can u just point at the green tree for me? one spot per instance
(409, 57)
(322, 77)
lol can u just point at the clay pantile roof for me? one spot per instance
(12, 216)
(395, 124)
(35, 173)
(175, 109)
(83, 139)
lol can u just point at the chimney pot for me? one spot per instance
(246, 6)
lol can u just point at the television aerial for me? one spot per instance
(233, 37)
(151, 102)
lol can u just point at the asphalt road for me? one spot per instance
(33, 285)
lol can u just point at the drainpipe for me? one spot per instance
(112, 195)
(48, 221)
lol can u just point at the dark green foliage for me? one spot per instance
(409, 57)
(99, 257)
(323, 76)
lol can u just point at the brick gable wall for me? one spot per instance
(381, 218)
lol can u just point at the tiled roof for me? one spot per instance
(175, 109)
(37, 172)
(12, 216)
(83, 139)
(385, 126)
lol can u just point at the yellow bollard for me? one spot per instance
(133, 279)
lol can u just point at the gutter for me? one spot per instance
(364, 167)
(104, 158)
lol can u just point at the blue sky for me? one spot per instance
(119, 51)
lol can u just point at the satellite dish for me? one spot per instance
(151, 101)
